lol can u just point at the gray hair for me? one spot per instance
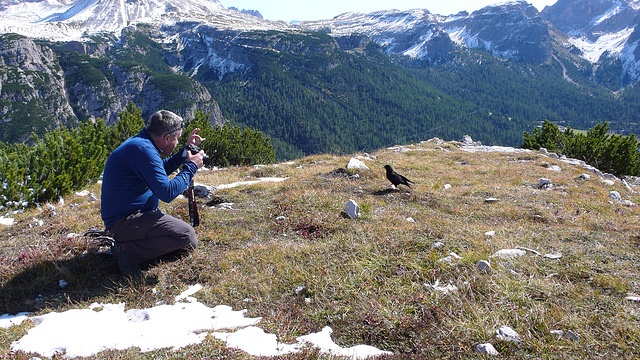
(164, 122)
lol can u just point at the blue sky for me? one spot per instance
(289, 10)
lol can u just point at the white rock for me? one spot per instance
(585, 176)
(509, 253)
(63, 284)
(6, 221)
(553, 256)
(437, 287)
(608, 182)
(633, 298)
(555, 168)
(451, 258)
(437, 245)
(615, 196)
(83, 193)
(628, 203)
(545, 184)
(571, 336)
(483, 265)
(93, 197)
(447, 186)
(491, 200)
(352, 209)
(507, 334)
(410, 219)
(225, 206)
(357, 164)
(490, 233)
(487, 349)
(281, 218)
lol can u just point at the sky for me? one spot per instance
(290, 10)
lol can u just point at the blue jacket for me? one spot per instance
(136, 177)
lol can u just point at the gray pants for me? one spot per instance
(152, 234)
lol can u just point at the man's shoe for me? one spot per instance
(124, 263)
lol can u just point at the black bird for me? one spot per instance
(395, 178)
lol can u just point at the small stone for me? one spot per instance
(559, 333)
(615, 196)
(357, 164)
(410, 219)
(63, 284)
(545, 184)
(487, 349)
(437, 245)
(555, 168)
(507, 334)
(281, 218)
(571, 336)
(490, 233)
(491, 200)
(633, 298)
(447, 186)
(608, 182)
(451, 258)
(553, 256)
(585, 176)
(352, 209)
(509, 253)
(483, 265)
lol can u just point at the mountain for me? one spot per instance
(357, 81)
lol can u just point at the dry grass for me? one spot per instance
(365, 278)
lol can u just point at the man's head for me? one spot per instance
(165, 128)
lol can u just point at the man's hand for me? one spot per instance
(197, 158)
(194, 138)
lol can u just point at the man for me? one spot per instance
(135, 178)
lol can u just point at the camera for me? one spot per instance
(194, 149)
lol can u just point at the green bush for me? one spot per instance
(611, 153)
(230, 145)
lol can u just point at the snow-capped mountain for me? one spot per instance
(513, 30)
(74, 20)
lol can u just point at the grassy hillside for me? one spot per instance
(366, 278)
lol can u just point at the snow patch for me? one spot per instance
(101, 327)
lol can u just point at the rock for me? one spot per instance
(468, 141)
(544, 184)
(200, 190)
(225, 206)
(483, 265)
(506, 254)
(357, 164)
(410, 219)
(571, 336)
(529, 250)
(444, 289)
(352, 209)
(63, 284)
(555, 168)
(487, 349)
(506, 333)
(585, 177)
(451, 258)
(93, 197)
(82, 193)
(544, 150)
(437, 245)
(491, 200)
(553, 256)
(633, 298)
(447, 186)
(490, 233)
(615, 196)
(281, 218)
(608, 182)
(628, 203)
